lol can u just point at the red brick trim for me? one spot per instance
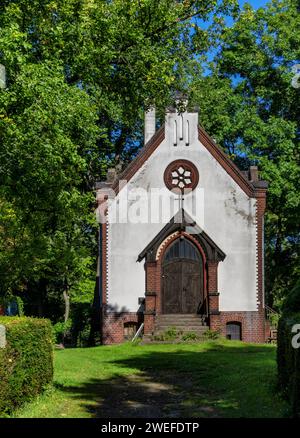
(153, 300)
(225, 162)
(150, 296)
(113, 326)
(212, 288)
(252, 324)
(210, 145)
(161, 254)
(104, 273)
(141, 158)
(187, 165)
(260, 210)
(257, 318)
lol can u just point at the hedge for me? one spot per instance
(26, 363)
(288, 358)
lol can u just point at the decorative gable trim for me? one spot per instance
(182, 222)
(253, 189)
(225, 162)
(141, 158)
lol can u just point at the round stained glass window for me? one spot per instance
(181, 175)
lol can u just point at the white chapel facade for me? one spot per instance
(182, 238)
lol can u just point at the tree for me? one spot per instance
(79, 75)
(256, 120)
(46, 128)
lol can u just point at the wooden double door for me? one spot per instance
(182, 278)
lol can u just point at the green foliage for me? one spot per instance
(288, 361)
(20, 305)
(190, 336)
(274, 319)
(81, 324)
(292, 302)
(76, 331)
(255, 118)
(26, 363)
(61, 330)
(173, 334)
(288, 357)
(9, 298)
(79, 76)
(170, 334)
(211, 334)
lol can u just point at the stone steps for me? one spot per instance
(186, 328)
(178, 316)
(179, 319)
(183, 323)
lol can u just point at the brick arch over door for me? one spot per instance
(153, 254)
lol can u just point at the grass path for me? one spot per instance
(216, 379)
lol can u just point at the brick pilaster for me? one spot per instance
(213, 294)
(150, 297)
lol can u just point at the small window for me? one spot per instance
(233, 331)
(130, 329)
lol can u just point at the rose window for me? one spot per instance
(181, 175)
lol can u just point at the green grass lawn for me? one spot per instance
(212, 379)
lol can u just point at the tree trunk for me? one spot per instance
(67, 309)
(67, 303)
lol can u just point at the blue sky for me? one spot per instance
(254, 3)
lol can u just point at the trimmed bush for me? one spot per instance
(26, 363)
(288, 358)
(292, 302)
(288, 361)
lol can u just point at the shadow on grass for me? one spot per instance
(220, 381)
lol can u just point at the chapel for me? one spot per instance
(181, 238)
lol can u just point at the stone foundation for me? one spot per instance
(114, 324)
(252, 324)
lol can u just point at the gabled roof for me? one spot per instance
(251, 188)
(181, 221)
(142, 156)
(239, 177)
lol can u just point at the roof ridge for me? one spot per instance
(144, 153)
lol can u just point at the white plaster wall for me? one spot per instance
(226, 214)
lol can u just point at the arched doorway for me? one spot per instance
(182, 278)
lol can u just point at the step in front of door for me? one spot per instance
(180, 320)
(185, 328)
(182, 323)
